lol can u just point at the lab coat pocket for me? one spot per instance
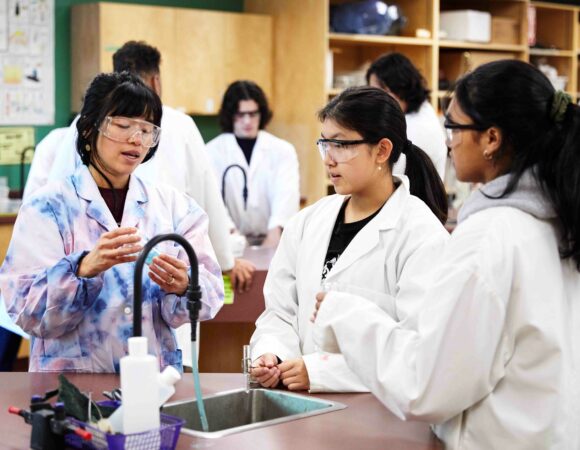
(383, 300)
(57, 355)
(64, 347)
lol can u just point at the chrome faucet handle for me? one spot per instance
(247, 369)
(246, 360)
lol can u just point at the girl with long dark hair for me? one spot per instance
(492, 358)
(372, 239)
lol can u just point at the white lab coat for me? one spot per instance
(381, 262)
(425, 131)
(181, 162)
(494, 359)
(82, 323)
(44, 155)
(273, 181)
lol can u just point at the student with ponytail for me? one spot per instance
(492, 358)
(372, 239)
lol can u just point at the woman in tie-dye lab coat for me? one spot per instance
(67, 279)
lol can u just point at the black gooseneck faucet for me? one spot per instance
(193, 292)
(22, 158)
(244, 192)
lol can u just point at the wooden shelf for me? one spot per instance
(343, 38)
(480, 46)
(551, 52)
(547, 5)
(302, 29)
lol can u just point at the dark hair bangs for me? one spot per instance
(130, 100)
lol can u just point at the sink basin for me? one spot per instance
(241, 410)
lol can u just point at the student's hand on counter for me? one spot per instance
(265, 370)
(170, 274)
(241, 275)
(294, 375)
(113, 247)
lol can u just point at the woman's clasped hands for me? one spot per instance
(123, 245)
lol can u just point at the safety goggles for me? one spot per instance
(453, 131)
(127, 129)
(338, 150)
(249, 114)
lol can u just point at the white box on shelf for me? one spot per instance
(466, 25)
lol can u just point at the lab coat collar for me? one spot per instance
(87, 189)
(259, 148)
(369, 237)
(258, 152)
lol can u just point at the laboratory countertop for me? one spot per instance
(259, 256)
(7, 218)
(364, 424)
(248, 306)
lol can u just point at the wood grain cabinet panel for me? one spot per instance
(202, 51)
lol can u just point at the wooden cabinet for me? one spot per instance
(557, 41)
(202, 51)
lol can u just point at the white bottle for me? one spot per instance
(139, 384)
(166, 381)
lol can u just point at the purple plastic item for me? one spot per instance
(164, 438)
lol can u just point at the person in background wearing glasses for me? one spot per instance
(67, 279)
(493, 357)
(269, 165)
(373, 238)
(396, 75)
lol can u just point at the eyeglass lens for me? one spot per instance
(249, 114)
(124, 129)
(337, 152)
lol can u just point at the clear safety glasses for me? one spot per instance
(127, 129)
(453, 131)
(338, 150)
(248, 114)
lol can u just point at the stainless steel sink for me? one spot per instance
(241, 410)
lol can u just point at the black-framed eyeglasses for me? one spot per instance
(250, 114)
(464, 126)
(451, 129)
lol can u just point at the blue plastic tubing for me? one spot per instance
(197, 384)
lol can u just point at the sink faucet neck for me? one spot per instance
(244, 190)
(193, 292)
(247, 369)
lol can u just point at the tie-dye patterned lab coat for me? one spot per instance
(82, 324)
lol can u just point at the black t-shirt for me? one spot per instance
(342, 235)
(115, 200)
(247, 146)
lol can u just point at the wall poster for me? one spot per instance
(26, 62)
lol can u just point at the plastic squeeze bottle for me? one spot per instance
(166, 388)
(166, 381)
(139, 384)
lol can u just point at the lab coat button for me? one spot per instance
(128, 310)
